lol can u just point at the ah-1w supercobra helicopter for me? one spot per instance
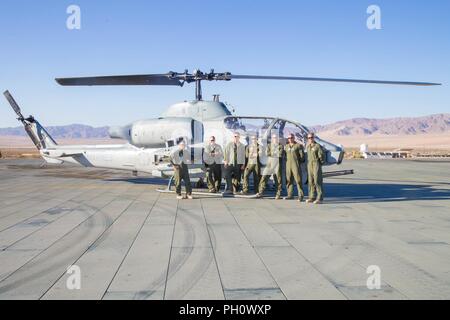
(149, 142)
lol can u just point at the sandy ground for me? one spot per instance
(13, 142)
(13, 146)
(425, 142)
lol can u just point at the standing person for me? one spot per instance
(213, 157)
(234, 161)
(295, 156)
(316, 158)
(179, 159)
(252, 166)
(274, 154)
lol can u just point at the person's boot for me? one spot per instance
(288, 198)
(300, 199)
(309, 201)
(317, 201)
(179, 196)
(190, 197)
(277, 197)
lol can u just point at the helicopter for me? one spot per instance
(149, 142)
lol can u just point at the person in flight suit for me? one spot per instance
(234, 162)
(213, 157)
(274, 154)
(295, 156)
(179, 159)
(316, 158)
(252, 166)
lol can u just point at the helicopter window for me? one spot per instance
(289, 127)
(256, 126)
(233, 123)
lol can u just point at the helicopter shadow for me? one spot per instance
(382, 192)
(139, 180)
(349, 192)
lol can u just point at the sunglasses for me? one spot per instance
(310, 137)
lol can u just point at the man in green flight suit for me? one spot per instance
(179, 159)
(234, 162)
(295, 156)
(213, 157)
(273, 167)
(316, 158)
(252, 166)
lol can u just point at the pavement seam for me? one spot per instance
(92, 244)
(249, 242)
(79, 205)
(96, 210)
(131, 245)
(170, 251)
(213, 249)
(68, 232)
(307, 260)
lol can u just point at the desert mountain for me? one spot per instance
(72, 131)
(436, 124)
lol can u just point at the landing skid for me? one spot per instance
(198, 193)
(212, 195)
(244, 196)
(337, 173)
(168, 189)
(237, 195)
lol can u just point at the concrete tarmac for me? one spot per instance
(131, 242)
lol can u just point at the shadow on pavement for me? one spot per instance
(381, 192)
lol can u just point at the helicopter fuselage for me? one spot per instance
(196, 121)
(149, 143)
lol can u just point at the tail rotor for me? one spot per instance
(14, 105)
(30, 124)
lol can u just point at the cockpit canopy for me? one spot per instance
(265, 127)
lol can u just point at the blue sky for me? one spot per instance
(303, 38)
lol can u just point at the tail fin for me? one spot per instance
(37, 133)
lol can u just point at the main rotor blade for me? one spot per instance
(13, 103)
(143, 79)
(408, 83)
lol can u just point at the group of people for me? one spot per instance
(239, 162)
